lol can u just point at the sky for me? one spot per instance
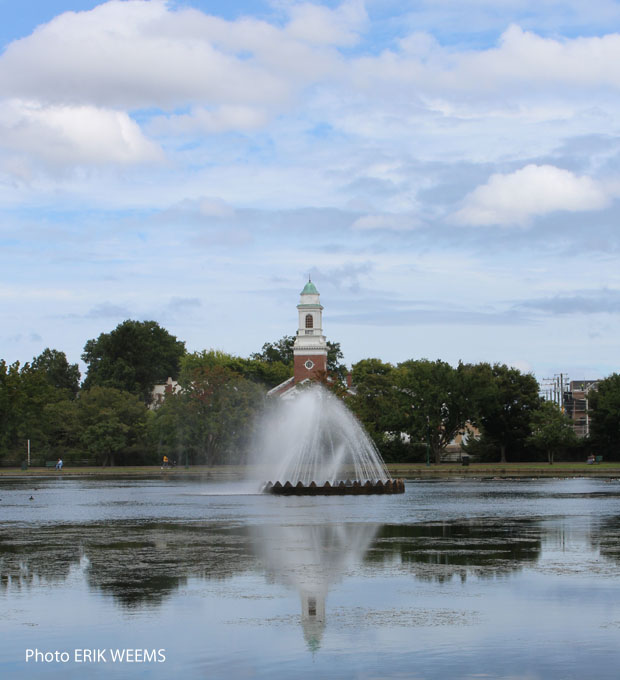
(447, 173)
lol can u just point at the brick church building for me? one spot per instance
(310, 348)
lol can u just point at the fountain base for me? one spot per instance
(347, 488)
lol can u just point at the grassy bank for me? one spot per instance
(420, 470)
(218, 472)
(408, 471)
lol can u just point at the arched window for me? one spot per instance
(309, 321)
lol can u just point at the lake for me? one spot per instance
(511, 579)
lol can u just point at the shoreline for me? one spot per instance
(222, 473)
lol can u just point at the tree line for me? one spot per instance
(411, 410)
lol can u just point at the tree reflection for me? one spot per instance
(138, 564)
(440, 551)
(606, 538)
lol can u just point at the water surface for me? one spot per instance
(454, 579)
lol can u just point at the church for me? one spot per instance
(310, 348)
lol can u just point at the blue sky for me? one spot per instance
(447, 172)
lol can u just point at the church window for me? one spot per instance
(309, 321)
(312, 606)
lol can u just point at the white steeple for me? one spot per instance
(310, 348)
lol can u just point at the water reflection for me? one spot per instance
(138, 564)
(142, 564)
(607, 539)
(311, 558)
(376, 587)
(443, 550)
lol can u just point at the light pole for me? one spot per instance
(428, 443)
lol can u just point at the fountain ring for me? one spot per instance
(348, 488)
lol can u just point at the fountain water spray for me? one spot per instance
(313, 445)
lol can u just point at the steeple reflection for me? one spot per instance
(310, 558)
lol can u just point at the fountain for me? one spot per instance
(312, 445)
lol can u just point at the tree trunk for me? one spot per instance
(550, 456)
(502, 448)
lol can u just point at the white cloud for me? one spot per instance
(138, 54)
(220, 119)
(320, 25)
(73, 134)
(195, 73)
(522, 71)
(515, 198)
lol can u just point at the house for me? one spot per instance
(160, 391)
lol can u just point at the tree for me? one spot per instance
(133, 357)
(279, 351)
(25, 393)
(62, 428)
(433, 402)
(10, 397)
(552, 430)
(35, 394)
(374, 398)
(111, 424)
(335, 367)
(57, 370)
(211, 419)
(505, 405)
(265, 373)
(604, 410)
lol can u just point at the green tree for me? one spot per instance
(280, 351)
(374, 400)
(433, 402)
(25, 394)
(604, 411)
(10, 398)
(112, 425)
(265, 373)
(505, 406)
(57, 370)
(35, 393)
(335, 367)
(211, 419)
(133, 357)
(552, 430)
(62, 429)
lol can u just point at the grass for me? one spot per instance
(218, 471)
(406, 470)
(539, 469)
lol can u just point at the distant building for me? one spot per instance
(160, 391)
(310, 348)
(575, 404)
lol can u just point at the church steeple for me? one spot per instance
(310, 348)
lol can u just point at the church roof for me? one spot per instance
(309, 289)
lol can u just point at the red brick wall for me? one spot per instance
(301, 372)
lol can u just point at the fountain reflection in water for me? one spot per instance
(313, 443)
(311, 558)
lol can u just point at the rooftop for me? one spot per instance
(309, 289)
